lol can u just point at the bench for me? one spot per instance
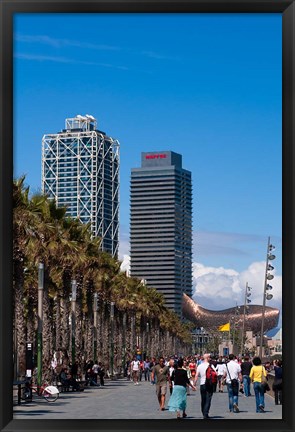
(63, 388)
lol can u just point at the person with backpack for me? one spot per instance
(207, 376)
(233, 377)
(213, 363)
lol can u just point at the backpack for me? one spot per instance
(211, 377)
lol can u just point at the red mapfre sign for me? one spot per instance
(156, 156)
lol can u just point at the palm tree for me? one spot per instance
(25, 219)
(43, 233)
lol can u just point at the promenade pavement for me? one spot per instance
(121, 399)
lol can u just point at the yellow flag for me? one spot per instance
(224, 327)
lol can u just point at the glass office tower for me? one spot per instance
(161, 226)
(80, 170)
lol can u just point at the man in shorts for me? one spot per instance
(135, 365)
(162, 374)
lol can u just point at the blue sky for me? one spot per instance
(207, 86)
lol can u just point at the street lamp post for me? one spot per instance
(112, 340)
(132, 323)
(147, 338)
(40, 323)
(95, 326)
(267, 287)
(73, 319)
(246, 307)
(234, 318)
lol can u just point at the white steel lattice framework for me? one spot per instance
(80, 170)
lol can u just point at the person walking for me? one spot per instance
(256, 375)
(95, 369)
(206, 392)
(189, 375)
(220, 369)
(135, 365)
(171, 370)
(161, 372)
(246, 366)
(152, 364)
(178, 399)
(278, 382)
(141, 369)
(88, 370)
(233, 377)
(213, 363)
(101, 373)
(192, 366)
(146, 369)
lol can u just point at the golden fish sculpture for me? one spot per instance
(210, 319)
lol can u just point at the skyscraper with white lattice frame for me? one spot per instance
(80, 170)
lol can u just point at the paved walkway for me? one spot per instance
(121, 399)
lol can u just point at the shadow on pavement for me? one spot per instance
(35, 413)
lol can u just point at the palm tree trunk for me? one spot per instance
(19, 323)
(65, 328)
(47, 353)
(79, 342)
(105, 337)
(133, 333)
(58, 328)
(100, 331)
(89, 337)
(118, 340)
(128, 328)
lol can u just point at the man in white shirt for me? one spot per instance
(233, 377)
(206, 393)
(135, 370)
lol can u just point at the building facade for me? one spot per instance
(161, 226)
(80, 170)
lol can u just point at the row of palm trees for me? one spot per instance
(43, 234)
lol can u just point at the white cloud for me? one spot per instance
(125, 266)
(215, 288)
(218, 288)
(124, 246)
(221, 288)
(254, 275)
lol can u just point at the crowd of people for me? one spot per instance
(212, 374)
(178, 376)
